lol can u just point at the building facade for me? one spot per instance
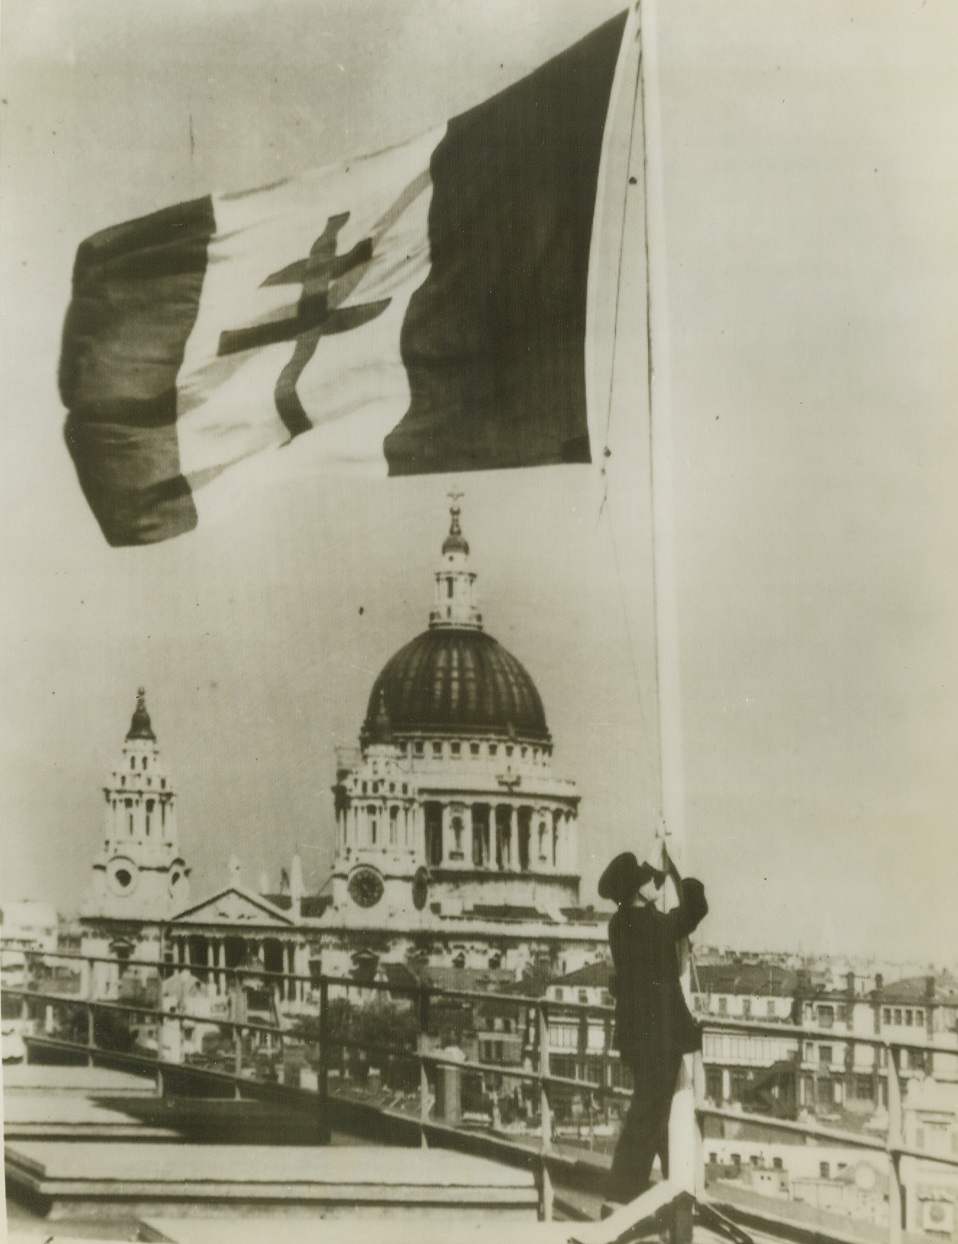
(456, 842)
(139, 876)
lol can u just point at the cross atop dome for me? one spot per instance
(455, 605)
(455, 542)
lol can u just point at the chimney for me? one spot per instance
(296, 887)
(930, 988)
(879, 983)
(850, 984)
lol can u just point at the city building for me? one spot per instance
(140, 878)
(756, 1069)
(930, 1124)
(456, 842)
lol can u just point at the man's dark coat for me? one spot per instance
(652, 1020)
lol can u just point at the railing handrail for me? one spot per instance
(708, 1023)
(541, 1011)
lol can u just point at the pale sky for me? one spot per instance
(810, 156)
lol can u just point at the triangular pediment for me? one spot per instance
(234, 906)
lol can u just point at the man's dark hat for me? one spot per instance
(625, 876)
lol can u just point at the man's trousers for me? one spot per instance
(645, 1131)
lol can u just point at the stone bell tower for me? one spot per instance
(138, 872)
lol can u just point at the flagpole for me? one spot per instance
(671, 832)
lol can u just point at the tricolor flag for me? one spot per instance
(418, 310)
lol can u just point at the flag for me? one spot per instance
(418, 310)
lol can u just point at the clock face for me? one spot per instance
(366, 887)
(121, 875)
(420, 888)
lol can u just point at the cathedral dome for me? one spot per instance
(452, 680)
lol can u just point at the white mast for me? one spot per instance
(629, 308)
(683, 1131)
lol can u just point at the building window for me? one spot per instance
(132, 763)
(826, 1016)
(863, 1088)
(418, 747)
(919, 1017)
(825, 1055)
(437, 749)
(770, 1008)
(525, 834)
(908, 1017)
(493, 749)
(558, 994)
(886, 1014)
(824, 1170)
(777, 1164)
(897, 1016)
(455, 748)
(474, 749)
(480, 835)
(723, 1006)
(747, 1008)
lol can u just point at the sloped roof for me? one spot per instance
(233, 904)
(505, 911)
(593, 975)
(495, 980)
(914, 989)
(756, 979)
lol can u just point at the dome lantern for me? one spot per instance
(455, 603)
(140, 725)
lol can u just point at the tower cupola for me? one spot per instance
(140, 726)
(455, 603)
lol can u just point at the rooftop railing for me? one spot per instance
(412, 1051)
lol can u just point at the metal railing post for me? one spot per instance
(545, 1112)
(896, 1198)
(423, 998)
(698, 1087)
(237, 1059)
(90, 1032)
(322, 1064)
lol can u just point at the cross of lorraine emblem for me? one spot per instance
(327, 279)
